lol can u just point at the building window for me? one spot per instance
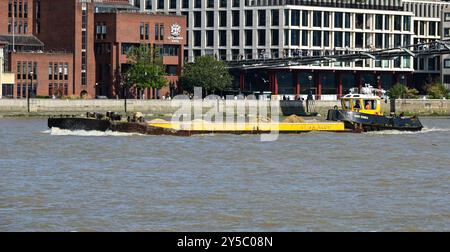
(305, 38)
(184, 4)
(60, 71)
(197, 38)
(19, 67)
(147, 31)
(171, 70)
(326, 39)
(295, 37)
(235, 37)
(317, 38)
(378, 22)
(447, 63)
(156, 31)
(210, 19)
(397, 23)
(173, 4)
(161, 32)
(235, 15)
(261, 17)
(223, 19)
(160, 4)
(248, 18)
(275, 17)
(275, 37)
(446, 32)
(197, 19)
(66, 71)
(305, 18)
(141, 31)
(83, 78)
(170, 50)
(447, 16)
(209, 38)
(338, 19)
(50, 71)
(248, 37)
(222, 38)
(55, 71)
(295, 18)
(432, 28)
(148, 4)
(317, 19)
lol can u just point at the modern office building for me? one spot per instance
(249, 29)
(445, 19)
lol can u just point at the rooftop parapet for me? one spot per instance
(359, 4)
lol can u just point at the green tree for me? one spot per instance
(437, 91)
(400, 91)
(147, 69)
(206, 72)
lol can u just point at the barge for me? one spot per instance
(136, 124)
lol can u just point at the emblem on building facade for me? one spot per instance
(175, 30)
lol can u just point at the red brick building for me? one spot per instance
(77, 47)
(68, 25)
(42, 74)
(116, 33)
(16, 17)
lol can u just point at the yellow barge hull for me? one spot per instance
(250, 128)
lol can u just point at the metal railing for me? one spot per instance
(307, 57)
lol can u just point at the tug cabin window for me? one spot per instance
(346, 104)
(370, 105)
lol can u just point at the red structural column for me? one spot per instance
(275, 76)
(297, 83)
(318, 86)
(338, 83)
(242, 81)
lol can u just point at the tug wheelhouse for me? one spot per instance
(362, 103)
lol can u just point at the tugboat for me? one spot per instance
(361, 112)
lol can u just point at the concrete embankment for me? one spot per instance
(423, 107)
(45, 107)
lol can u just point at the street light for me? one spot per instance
(310, 96)
(310, 78)
(123, 92)
(29, 91)
(403, 85)
(379, 85)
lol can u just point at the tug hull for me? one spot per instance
(367, 122)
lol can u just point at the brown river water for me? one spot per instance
(55, 180)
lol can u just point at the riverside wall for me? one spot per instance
(44, 107)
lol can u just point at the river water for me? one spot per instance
(83, 181)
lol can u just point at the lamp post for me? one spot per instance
(310, 96)
(379, 85)
(403, 85)
(124, 93)
(29, 91)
